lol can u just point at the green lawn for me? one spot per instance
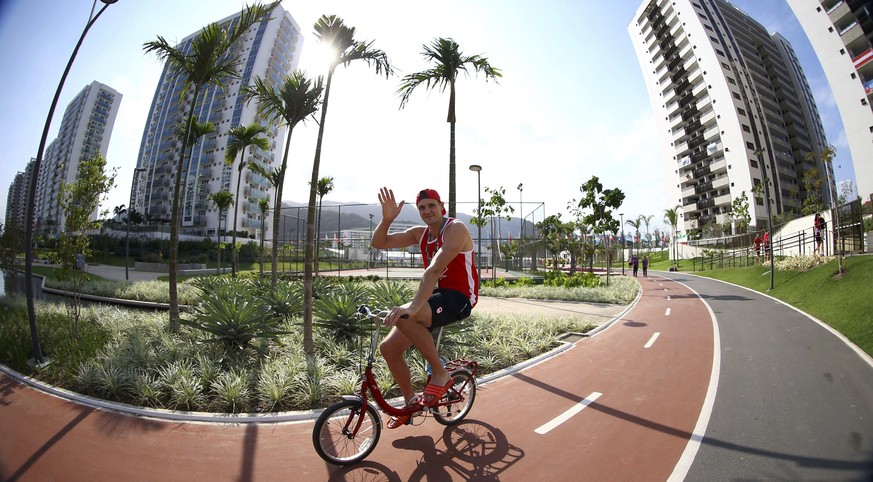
(845, 303)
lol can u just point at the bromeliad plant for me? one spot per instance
(233, 314)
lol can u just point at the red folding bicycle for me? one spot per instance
(348, 431)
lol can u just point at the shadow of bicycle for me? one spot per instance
(474, 450)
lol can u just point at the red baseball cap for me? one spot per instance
(429, 194)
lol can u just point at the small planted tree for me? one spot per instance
(79, 202)
(596, 207)
(238, 138)
(221, 200)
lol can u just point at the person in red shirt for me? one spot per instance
(766, 243)
(757, 247)
(448, 291)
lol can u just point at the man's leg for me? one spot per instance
(393, 347)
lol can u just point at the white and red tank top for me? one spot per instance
(460, 275)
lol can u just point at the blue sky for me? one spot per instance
(572, 102)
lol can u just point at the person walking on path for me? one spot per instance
(447, 292)
(635, 263)
(818, 227)
(646, 266)
(757, 247)
(766, 243)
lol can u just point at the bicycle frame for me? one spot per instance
(368, 381)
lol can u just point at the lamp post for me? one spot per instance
(521, 232)
(760, 152)
(478, 170)
(127, 236)
(31, 202)
(621, 215)
(370, 248)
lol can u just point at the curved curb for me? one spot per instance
(272, 417)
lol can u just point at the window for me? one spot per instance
(741, 111)
(719, 52)
(726, 66)
(750, 145)
(746, 129)
(736, 96)
(753, 163)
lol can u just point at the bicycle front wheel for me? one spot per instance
(346, 432)
(463, 393)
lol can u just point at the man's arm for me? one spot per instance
(390, 210)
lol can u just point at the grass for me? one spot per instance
(845, 303)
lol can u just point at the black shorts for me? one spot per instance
(447, 307)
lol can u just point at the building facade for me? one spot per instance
(270, 50)
(841, 33)
(84, 132)
(736, 111)
(16, 198)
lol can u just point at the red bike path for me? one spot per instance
(631, 397)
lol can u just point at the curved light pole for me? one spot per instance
(31, 198)
(478, 170)
(370, 250)
(623, 243)
(760, 152)
(127, 237)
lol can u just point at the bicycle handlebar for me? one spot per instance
(381, 314)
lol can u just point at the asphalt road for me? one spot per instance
(794, 400)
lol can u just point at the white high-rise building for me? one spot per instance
(85, 130)
(841, 32)
(736, 110)
(270, 50)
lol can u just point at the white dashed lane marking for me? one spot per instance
(546, 428)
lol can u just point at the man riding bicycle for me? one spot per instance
(448, 291)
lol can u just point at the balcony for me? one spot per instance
(702, 171)
(703, 187)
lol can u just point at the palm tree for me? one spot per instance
(263, 207)
(297, 99)
(671, 216)
(449, 62)
(238, 138)
(274, 177)
(222, 200)
(325, 185)
(206, 60)
(646, 220)
(635, 223)
(340, 39)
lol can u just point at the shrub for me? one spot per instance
(230, 312)
(801, 263)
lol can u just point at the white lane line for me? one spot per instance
(652, 340)
(546, 428)
(668, 298)
(667, 313)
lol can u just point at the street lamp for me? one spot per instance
(31, 201)
(127, 237)
(760, 152)
(623, 244)
(370, 249)
(521, 208)
(478, 170)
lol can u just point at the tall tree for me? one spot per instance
(209, 59)
(448, 62)
(263, 207)
(671, 216)
(221, 200)
(340, 40)
(238, 138)
(325, 185)
(295, 100)
(595, 209)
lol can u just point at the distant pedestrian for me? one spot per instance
(646, 266)
(635, 263)
(766, 243)
(818, 226)
(757, 247)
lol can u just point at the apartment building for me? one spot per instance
(16, 198)
(85, 131)
(270, 50)
(841, 33)
(736, 108)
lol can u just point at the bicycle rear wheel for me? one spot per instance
(463, 391)
(346, 432)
